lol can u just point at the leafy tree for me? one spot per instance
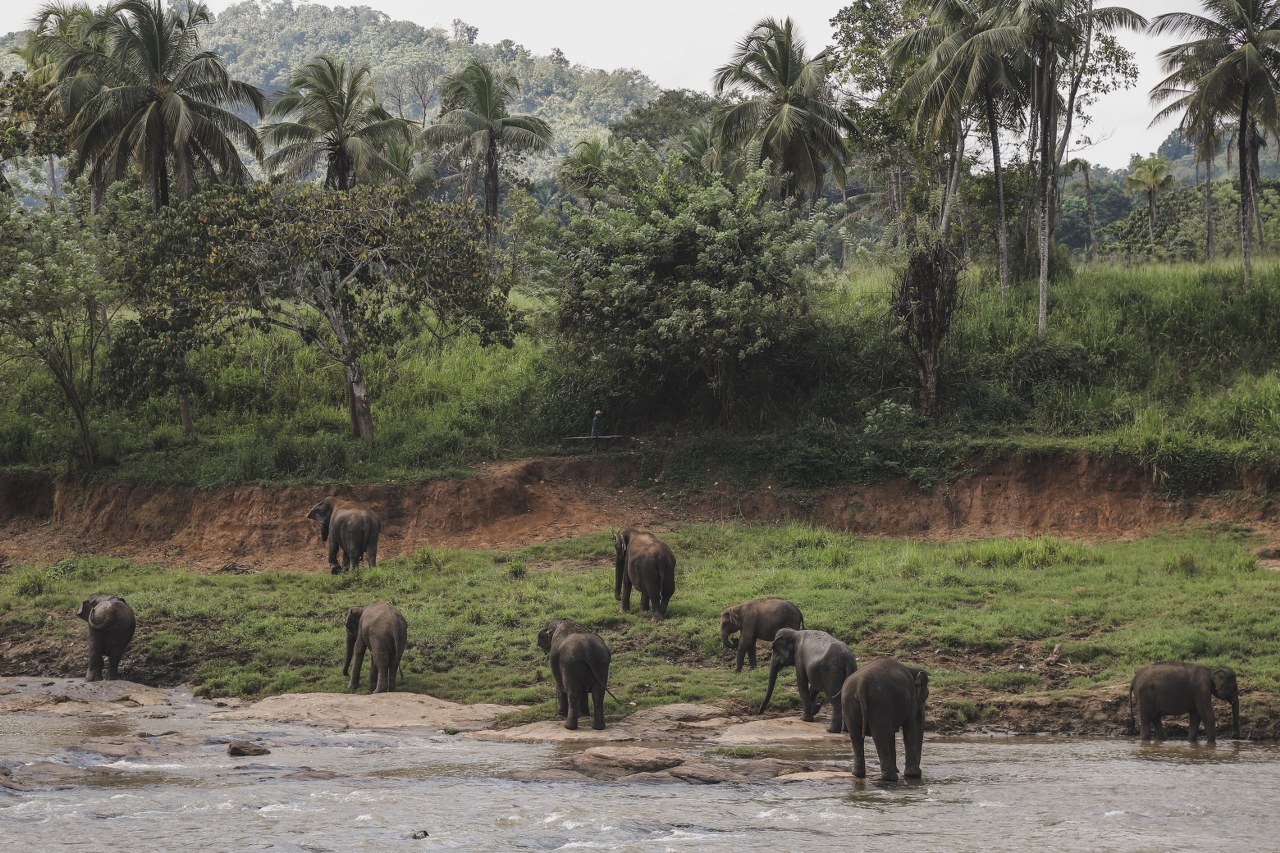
(161, 104)
(1148, 177)
(926, 298)
(30, 127)
(662, 304)
(350, 272)
(330, 119)
(788, 107)
(50, 292)
(1230, 67)
(665, 118)
(476, 126)
(583, 171)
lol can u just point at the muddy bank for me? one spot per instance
(511, 504)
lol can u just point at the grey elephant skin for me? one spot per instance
(822, 664)
(580, 664)
(878, 700)
(111, 626)
(349, 526)
(1182, 688)
(380, 630)
(758, 619)
(643, 561)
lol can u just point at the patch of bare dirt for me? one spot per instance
(510, 504)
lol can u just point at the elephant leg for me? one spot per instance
(1157, 725)
(562, 698)
(1210, 722)
(837, 719)
(96, 651)
(1145, 729)
(334, 566)
(113, 666)
(1193, 727)
(597, 706)
(912, 745)
(855, 727)
(751, 654)
(576, 699)
(626, 595)
(746, 648)
(739, 655)
(357, 661)
(806, 699)
(887, 752)
(372, 553)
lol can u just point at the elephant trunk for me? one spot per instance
(729, 642)
(1235, 718)
(351, 647)
(773, 677)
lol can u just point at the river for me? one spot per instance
(978, 794)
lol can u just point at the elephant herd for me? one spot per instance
(878, 699)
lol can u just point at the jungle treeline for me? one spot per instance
(294, 243)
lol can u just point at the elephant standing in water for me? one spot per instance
(879, 699)
(1182, 688)
(381, 630)
(349, 526)
(644, 561)
(580, 664)
(822, 664)
(111, 625)
(758, 619)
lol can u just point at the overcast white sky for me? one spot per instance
(679, 43)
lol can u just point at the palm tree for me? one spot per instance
(476, 126)
(789, 108)
(967, 68)
(141, 92)
(329, 118)
(1084, 167)
(1229, 68)
(582, 172)
(1148, 177)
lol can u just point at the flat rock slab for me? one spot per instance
(375, 711)
(681, 721)
(75, 696)
(635, 764)
(779, 730)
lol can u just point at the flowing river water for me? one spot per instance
(333, 789)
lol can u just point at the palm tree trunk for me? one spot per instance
(953, 182)
(1255, 185)
(1208, 210)
(1088, 207)
(184, 413)
(491, 194)
(1151, 216)
(53, 183)
(1002, 229)
(1047, 127)
(1246, 228)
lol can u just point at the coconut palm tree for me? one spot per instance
(788, 107)
(140, 92)
(1148, 177)
(476, 126)
(329, 120)
(582, 172)
(967, 69)
(1230, 67)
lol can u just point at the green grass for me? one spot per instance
(960, 609)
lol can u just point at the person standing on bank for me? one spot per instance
(597, 424)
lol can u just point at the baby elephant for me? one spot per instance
(879, 699)
(381, 629)
(111, 624)
(349, 526)
(758, 619)
(822, 664)
(1182, 688)
(580, 664)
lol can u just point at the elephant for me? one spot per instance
(1182, 688)
(645, 562)
(381, 629)
(349, 526)
(758, 619)
(580, 664)
(879, 699)
(111, 625)
(822, 664)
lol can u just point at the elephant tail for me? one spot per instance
(1132, 721)
(604, 681)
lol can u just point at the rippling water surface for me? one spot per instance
(977, 795)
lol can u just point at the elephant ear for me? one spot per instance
(922, 686)
(86, 607)
(1220, 678)
(544, 638)
(353, 618)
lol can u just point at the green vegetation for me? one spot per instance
(957, 609)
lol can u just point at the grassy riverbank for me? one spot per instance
(985, 617)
